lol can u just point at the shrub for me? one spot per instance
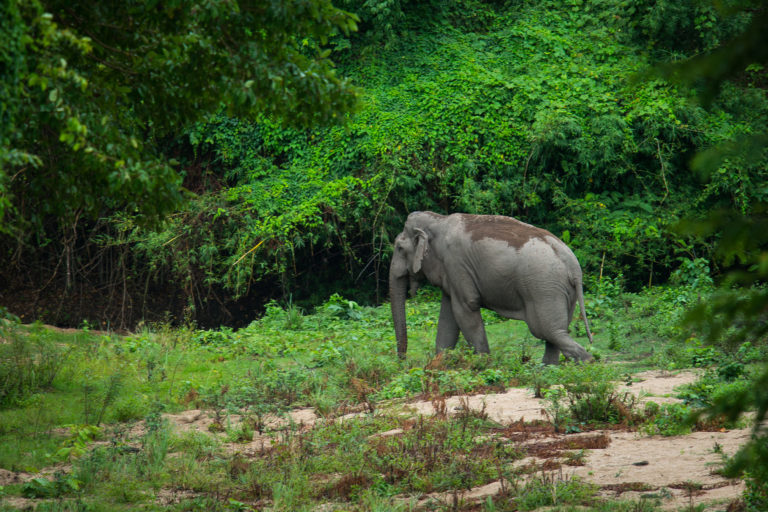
(28, 363)
(42, 487)
(589, 395)
(668, 420)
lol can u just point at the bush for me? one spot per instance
(28, 363)
(450, 126)
(668, 420)
(42, 487)
(588, 395)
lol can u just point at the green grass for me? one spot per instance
(340, 358)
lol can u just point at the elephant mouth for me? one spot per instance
(413, 286)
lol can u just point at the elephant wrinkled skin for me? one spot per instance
(494, 262)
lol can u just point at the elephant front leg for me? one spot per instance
(471, 324)
(551, 354)
(447, 328)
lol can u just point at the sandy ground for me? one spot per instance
(678, 471)
(517, 404)
(512, 405)
(679, 464)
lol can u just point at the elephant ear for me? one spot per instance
(421, 250)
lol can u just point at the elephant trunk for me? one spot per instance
(397, 291)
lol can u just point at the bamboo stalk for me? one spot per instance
(602, 263)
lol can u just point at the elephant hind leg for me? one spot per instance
(560, 339)
(549, 321)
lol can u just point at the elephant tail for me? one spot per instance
(580, 295)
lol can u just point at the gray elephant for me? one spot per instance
(494, 262)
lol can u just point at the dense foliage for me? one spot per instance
(90, 91)
(541, 110)
(536, 111)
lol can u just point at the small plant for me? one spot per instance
(294, 317)
(541, 377)
(693, 273)
(404, 384)
(216, 400)
(703, 357)
(7, 319)
(614, 337)
(213, 338)
(574, 458)
(340, 307)
(77, 443)
(730, 370)
(243, 433)
(99, 395)
(328, 352)
(558, 412)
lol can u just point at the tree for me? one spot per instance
(738, 310)
(90, 91)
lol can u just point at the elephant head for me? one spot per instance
(410, 248)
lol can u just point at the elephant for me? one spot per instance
(488, 261)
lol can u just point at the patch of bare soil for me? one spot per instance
(272, 427)
(167, 497)
(658, 385)
(197, 419)
(685, 466)
(515, 404)
(678, 471)
(12, 477)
